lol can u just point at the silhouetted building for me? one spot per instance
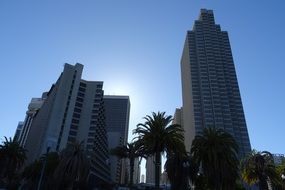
(150, 170)
(210, 90)
(117, 111)
(73, 110)
(137, 171)
(278, 159)
(33, 109)
(18, 131)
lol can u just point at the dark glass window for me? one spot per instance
(80, 94)
(79, 99)
(81, 89)
(73, 133)
(74, 127)
(78, 104)
(75, 121)
(76, 115)
(82, 84)
(77, 110)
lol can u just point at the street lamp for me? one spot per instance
(50, 143)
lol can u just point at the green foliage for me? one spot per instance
(216, 152)
(258, 168)
(12, 157)
(32, 172)
(156, 136)
(73, 167)
(180, 169)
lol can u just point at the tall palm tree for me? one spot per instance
(12, 157)
(216, 152)
(157, 136)
(258, 168)
(131, 151)
(73, 167)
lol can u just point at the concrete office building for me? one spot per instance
(33, 109)
(210, 90)
(178, 116)
(73, 110)
(117, 112)
(137, 171)
(150, 170)
(18, 131)
(278, 159)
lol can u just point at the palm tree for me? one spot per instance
(73, 167)
(281, 173)
(216, 152)
(131, 151)
(12, 158)
(258, 167)
(180, 170)
(157, 136)
(31, 173)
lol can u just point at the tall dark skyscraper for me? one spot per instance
(210, 90)
(117, 112)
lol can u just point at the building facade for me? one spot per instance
(210, 90)
(278, 159)
(150, 170)
(117, 112)
(72, 110)
(33, 109)
(18, 131)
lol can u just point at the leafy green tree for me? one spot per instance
(258, 168)
(131, 151)
(12, 158)
(157, 135)
(281, 173)
(73, 167)
(216, 152)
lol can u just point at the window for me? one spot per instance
(82, 84)
(75, 121)
(75, 127)
(77, 110)
(81, 89)
(76, 115)
(80, 94)
(73, 133)
(78, 104)
(79, 99)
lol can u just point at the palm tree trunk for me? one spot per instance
(157, 169)
(132, 163)
(262, 183)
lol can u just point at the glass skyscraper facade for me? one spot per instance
(210, 90)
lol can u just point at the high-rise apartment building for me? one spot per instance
(150, 170)
(72, 110)
(18, 131)
(137, 171)
(210, 90)
(33, 109)
(117, 111)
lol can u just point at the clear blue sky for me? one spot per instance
(135, 47)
